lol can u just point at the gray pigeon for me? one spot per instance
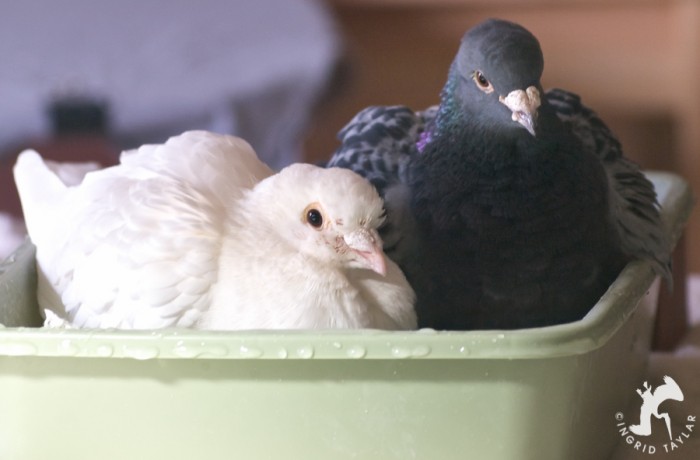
(508, 207)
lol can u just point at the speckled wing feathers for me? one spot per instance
(378, 144)
(379, 141)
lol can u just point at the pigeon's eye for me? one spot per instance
(314, 216)
(481, 81)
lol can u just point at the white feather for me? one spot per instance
(199, 233)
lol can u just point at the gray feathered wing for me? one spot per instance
(378, 144)
(634, 209)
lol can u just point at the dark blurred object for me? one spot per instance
(253, 68)
(78, 115)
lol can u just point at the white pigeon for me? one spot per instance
(199, 233)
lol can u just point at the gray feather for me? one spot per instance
(634, 209)
(378, 144)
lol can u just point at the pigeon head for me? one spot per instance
(495, 76)
(330, 215)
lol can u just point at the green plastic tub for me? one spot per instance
(545, 393)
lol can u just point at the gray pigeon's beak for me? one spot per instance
(368, 246)
(524, 105)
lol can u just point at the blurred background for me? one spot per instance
(82, 80)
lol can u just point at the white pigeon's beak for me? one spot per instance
(368, 246)
(524, 105)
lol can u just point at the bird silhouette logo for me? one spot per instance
(651, 400)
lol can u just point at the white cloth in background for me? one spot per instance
(253, 68)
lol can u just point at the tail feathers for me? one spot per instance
(40, 190)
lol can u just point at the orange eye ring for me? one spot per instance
(482, 82)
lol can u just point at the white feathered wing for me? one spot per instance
(148, 230)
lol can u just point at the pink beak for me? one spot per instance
(368, 246)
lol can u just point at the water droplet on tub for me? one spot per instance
(68, 348)
(183, 351)
(215, 350)
(357, 352)
(400, 352)
(141, 352)
(420, 351)
(104, 351)
(195, 350)
(305, 352)
(18, 349)
(498, 338)
(282, 353)
(337, 345)
(247, 351)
